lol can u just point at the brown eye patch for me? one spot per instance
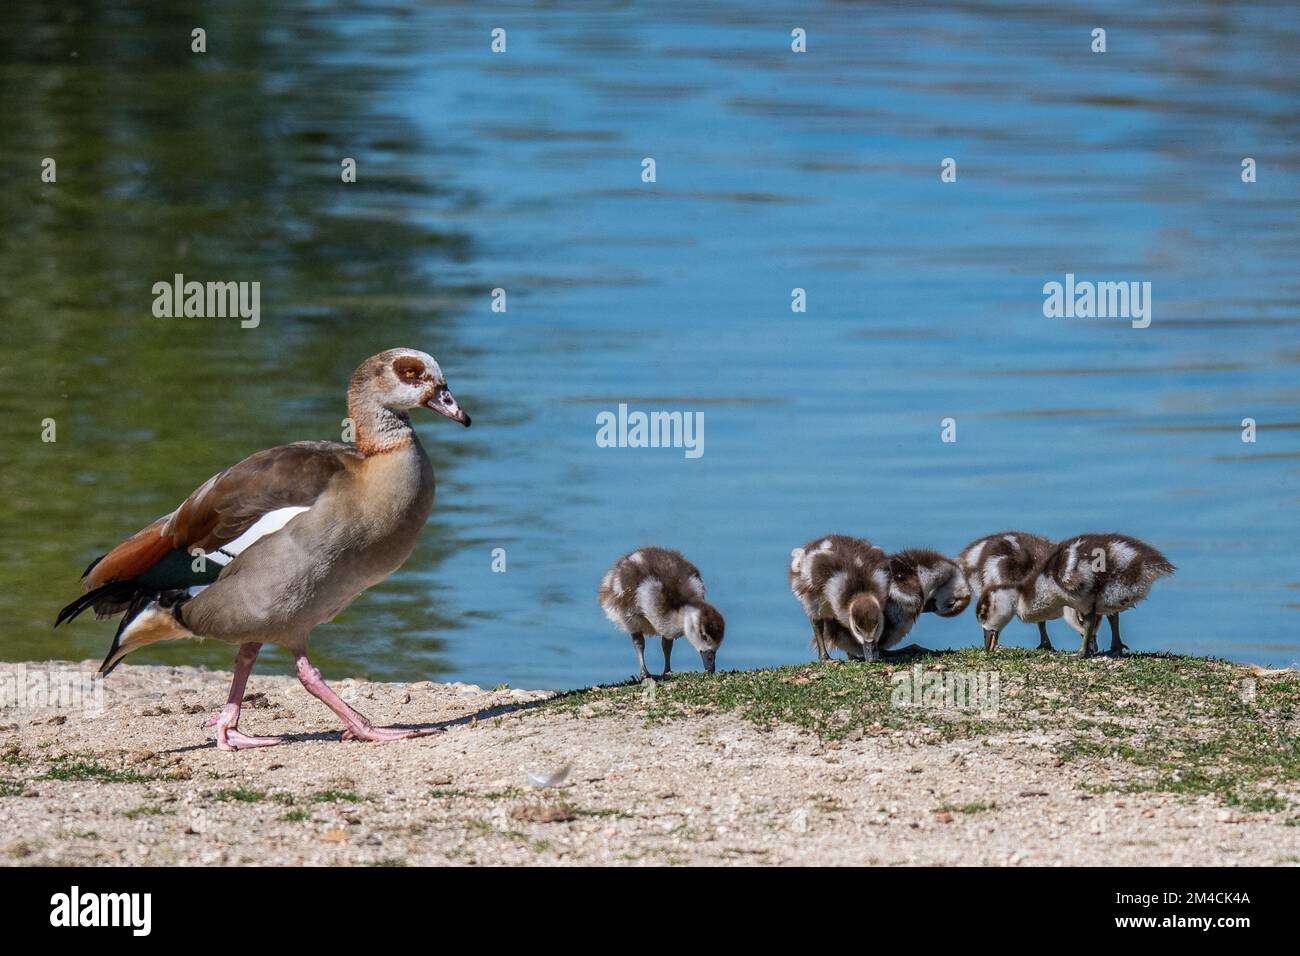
(408, 369)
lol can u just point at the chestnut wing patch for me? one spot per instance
(228, 506)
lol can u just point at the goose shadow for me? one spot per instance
(335, 736)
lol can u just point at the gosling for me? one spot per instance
(842, 583)
(657, 591)
(1096, 575)
(1002, 561)
(920, 581)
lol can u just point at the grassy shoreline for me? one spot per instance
(1198, 726)
(1152, 760)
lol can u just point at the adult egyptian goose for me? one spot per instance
(657, 591)
(1097, 575)
(283, 541)
(842, 583)
(920, 580)
(994, 567)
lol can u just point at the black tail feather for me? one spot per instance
(114, 589)
(129, 596)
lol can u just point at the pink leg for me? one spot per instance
(244, 659)
(227, 722)
(357, 725)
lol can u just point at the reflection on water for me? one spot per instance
(775, 171)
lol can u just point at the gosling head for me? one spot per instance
(1075, 620)
(996, 608)
(705, 628)
(866, 622)
(950, 597)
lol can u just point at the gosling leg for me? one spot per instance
(1117, 647)
(820, 642)
(638, 641)
(1044, 642)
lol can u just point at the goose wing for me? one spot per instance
(222, 517)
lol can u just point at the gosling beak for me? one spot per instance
(990, 640)
(710, 659)
(871, 652)
(444, 403)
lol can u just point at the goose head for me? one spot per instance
(402, 379)
(704, 627)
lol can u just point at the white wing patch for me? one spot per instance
(269, 523)
(1122, 553)
(1072, 561)
(649, 597)
(834, 590)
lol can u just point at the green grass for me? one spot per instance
(507, 794)
(1176, 724)
(600, 813)
(296, 816)
(238, 795)
(75, 767)
(12, 788)
(967, 808)
(336, 796)
(147, 810)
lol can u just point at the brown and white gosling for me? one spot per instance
(920, 580)
(1097, 575)
(657, 591)
(842, 584)
(997, 562)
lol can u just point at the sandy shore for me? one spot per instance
(142, 783)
